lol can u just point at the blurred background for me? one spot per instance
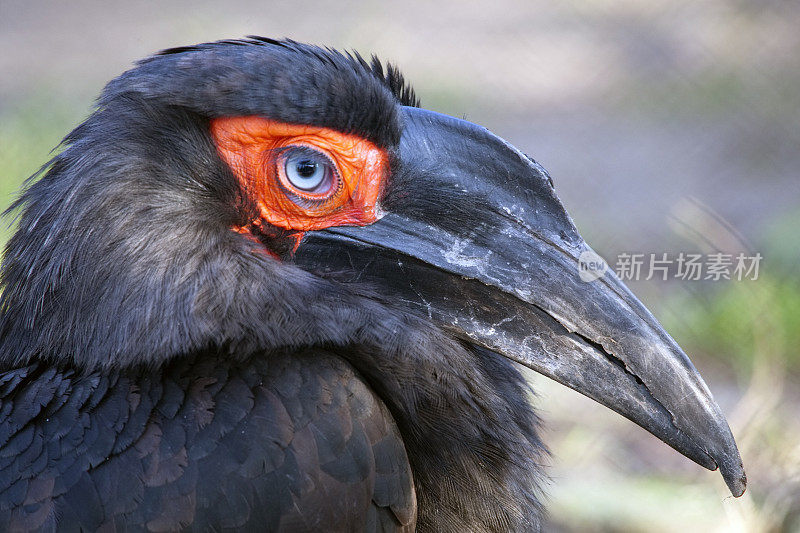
(667, 126)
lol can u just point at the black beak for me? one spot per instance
(476, 239)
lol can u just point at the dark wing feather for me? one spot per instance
(287, 442)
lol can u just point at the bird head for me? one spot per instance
(260, 194)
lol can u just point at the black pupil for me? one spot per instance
(306, 168)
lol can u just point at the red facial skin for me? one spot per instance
(253, 148)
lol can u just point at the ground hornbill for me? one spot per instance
(260, 288)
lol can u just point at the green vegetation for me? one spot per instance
(740, 321)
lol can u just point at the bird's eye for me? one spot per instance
(308, 171)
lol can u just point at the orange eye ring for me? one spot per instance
(255, 149)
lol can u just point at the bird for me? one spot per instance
(261, 288)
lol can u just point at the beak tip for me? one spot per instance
(735, 478)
